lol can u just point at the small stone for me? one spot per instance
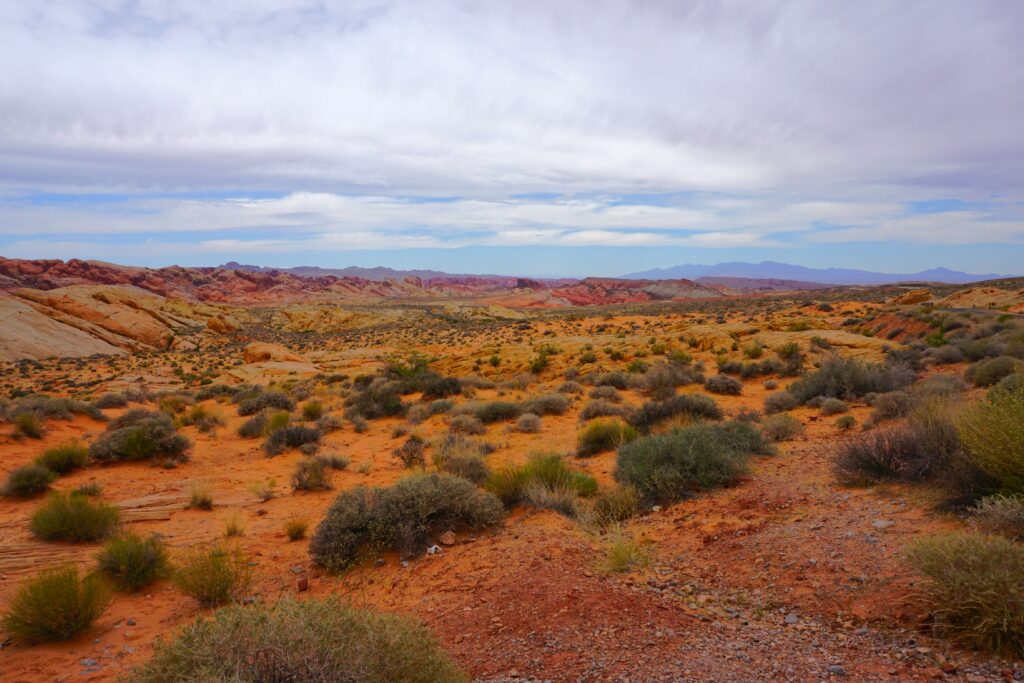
(792, 619)
(88, 662)
(882, 523)
(303, 585)
(434, 550)
(836, 670)
(130, 622)
(447, 538)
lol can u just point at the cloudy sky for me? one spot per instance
(534, 137)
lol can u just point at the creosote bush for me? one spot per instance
(311, 640)
(55, 605)
(213, 577)
(73, 518)
(976, 588)
(401, 517)
(132, 562)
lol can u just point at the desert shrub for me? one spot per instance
(946, 355)
(295, 528)
(672, 466)
(200, 498)
(781, 427)
(133, 563)
(55, 605)
(779, 402)
(411, 453)
(268, 399)
(45, 407)
(28, 425)
(334, 462)
(848, 378)
(692, 405)
(846, 422)
(605, 393)
(1000, 515)
(213, 577)
(993, 434)
(64, 458)
(254, 427)
(111, 400)
(73, 518)
(615, 505)
(215, 391)
(1010, 384)
(205, 419)
(380, 399)
(547, 470)
(140, 435)
(28, 481)
(987, 372)
(465, 424)
(600, 408)
(461, 456)
(891, 405)
(492, 411)
(833, 406)
(401, 517)
(417, 413)
(311, 474)
(769, 366)
(976, 588)
(570, 387)
(528, 423)
(312, 411)
(939, 386)
(440, 387)
(661, 379)
(723, 384)
(172, 404)
(603, 435)
(616, 379)
(311, 640)
(292, 436)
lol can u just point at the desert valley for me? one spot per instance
(580, 480)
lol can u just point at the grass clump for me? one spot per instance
(292, 436)
(309, 640)
(976, 588)
(55, 605)
(781, 427)
(401, 517)
(614, 505)
(28, 425)
(73, 518)
(262, 401)
(623, 552)
(780, 402)
(993, 434)
(312, 411)
(200, 498)
(848, 378)
(461, 456)
(668, 467)
(28, 481)
(542, 470)
(603, 435)
(65, 458)
(989, 371)
(295, 529)
(132, 562)
(140, 435)
(999, 514)
(213, 577)
(723, 384)
(311, 474)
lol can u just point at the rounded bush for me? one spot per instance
(65, 458)
(73, 518)
(28, 481)
(132, 562)
(214, 577)
(56, 605)
(781, 427)
(987, 372)
(140, 435)
(311, 640)
(723, 384)
(780, 402)
(603, 435)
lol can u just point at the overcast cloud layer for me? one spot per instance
(186, 131)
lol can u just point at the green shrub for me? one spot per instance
(312, 411)
(549, 470)
(623, 552)
(65, 458)
(140, 435)
(603, 435)
(723, 384)
(55, 605)
(133, 563)
(891, 405)
(311, 475)
(295, 529)
(1000, 515)
(28, 481)
(1010, 384)
(255, 426)
(692, 405)
(987, 372)
(465, 424)
(615, 505)
(781, 427)
(833, 406)
(461, 456)
(401, 517)
(28, 425)
(73, 518)
(311, 640)
(380, 399)
(292, 436)
(993, 434)
(214, 577)
(200, 498)
(528, 423)
(848, 378)
(976, 589)
(846, 422)
(601, 408)
(491, 411)
(549, 404)
(672, 466)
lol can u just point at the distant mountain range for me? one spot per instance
(771, 270)
(377, 274)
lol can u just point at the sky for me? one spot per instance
(538, 137)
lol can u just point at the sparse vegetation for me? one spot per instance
(603, 435)
(73, 518)
(213, 577)
(132, 563)
(28, 481)
(55, 605)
